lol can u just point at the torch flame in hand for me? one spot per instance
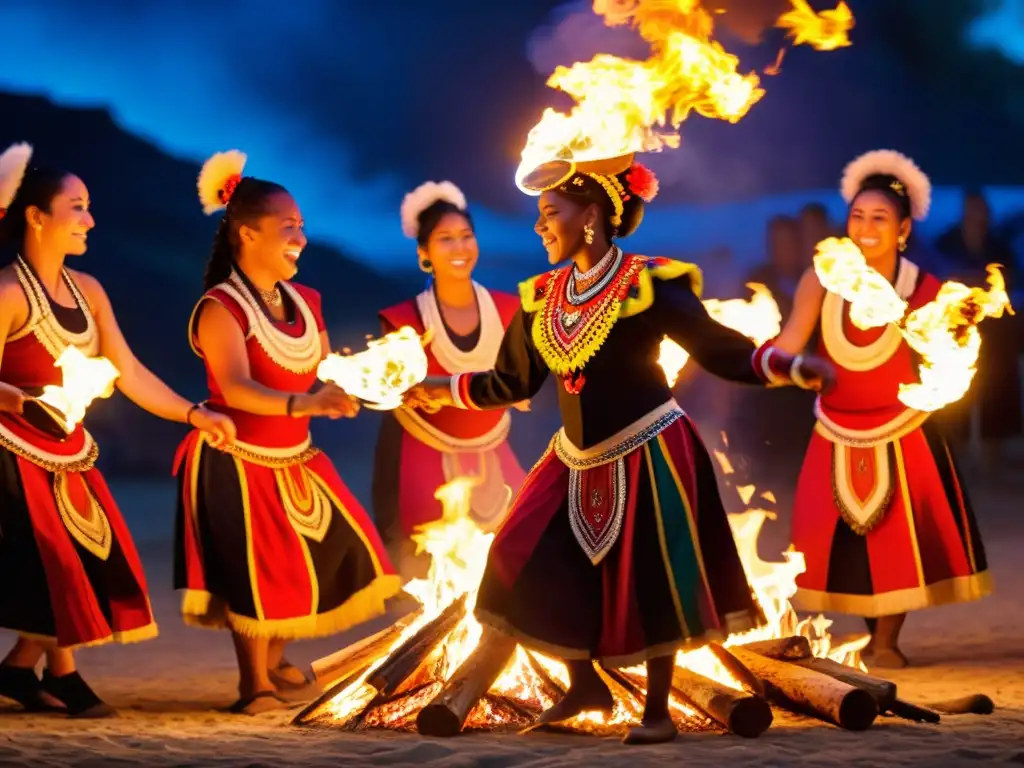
(758, 319)
(380, 374)
(85, 380)
(823, 31)
(944, 332)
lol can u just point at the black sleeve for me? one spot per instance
(719, 350)
(518, 372)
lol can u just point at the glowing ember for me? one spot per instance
(757, 318)
(85, 379)
(383, 372)
(944, 332)
(823, 31)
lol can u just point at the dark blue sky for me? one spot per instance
(352, 104)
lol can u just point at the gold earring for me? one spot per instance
(902, 241)
(588, 233)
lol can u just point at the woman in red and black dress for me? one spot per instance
(881, 512)
(270, 542)
(617, 547)
(71, 575)
(418, 451)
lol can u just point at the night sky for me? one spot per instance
(350, 105)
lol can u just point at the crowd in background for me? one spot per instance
(767, 432)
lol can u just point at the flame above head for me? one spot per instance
(823, 31)
(382, 373)
(758, 319)
(85, 379)
(624, 106)
(944, 332)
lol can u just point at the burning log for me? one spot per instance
(737, 670)
(740, 713)
(447, 712)
(360, 654)
(781, 649)
(882, 691)
(805, 689)
(407, 658)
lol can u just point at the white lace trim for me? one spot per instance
(451, 358)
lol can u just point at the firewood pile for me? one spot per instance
(381, 683)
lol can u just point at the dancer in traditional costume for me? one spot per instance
(881, 513)
(418, 451)
(71, 575)
(617, 547)
(271, 544)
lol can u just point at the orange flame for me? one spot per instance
(383, 372)
(823, 31)
(944, 332)
(84, 379)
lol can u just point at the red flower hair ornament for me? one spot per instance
(641, 181)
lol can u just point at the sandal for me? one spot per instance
(281, 682)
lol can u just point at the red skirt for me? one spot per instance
(274, 547)
(624, 561)
(73, 577)
(886, 529)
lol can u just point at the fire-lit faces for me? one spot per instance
(874, 224)
(560, 225)
(64, 228)
(273, 245)
(451, 249)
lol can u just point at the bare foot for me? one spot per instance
(651, 732)
(887, 658)
(258, 703)
(591, 697)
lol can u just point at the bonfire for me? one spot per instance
(437, 671)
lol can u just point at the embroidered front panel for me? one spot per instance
(626, 440)
(569, 329)
(597, 506)
(304, 501)
(298, 354)
(44, 325)
(863, 484)
(82, 514)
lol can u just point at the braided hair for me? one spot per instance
(249, 202)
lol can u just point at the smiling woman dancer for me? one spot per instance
(617, 547)
(71, 573)
(881, 512)
(270, 544)
(418, 451)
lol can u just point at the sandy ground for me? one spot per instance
(169, 689)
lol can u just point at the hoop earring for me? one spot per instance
(902, 243)
(426, 266)
(588, 234)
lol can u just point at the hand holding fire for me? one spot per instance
(430, 395)
(813, 373)
(12, 399)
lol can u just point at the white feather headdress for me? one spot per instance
(13, 164)
(424, 196)
(891, 163)
(218, 179)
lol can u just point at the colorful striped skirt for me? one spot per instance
(619, 557)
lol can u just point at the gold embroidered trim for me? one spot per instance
(428, 434)
(858, 524)
(307, 506)
(91, 530)
(272, 457)
(81, 461)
